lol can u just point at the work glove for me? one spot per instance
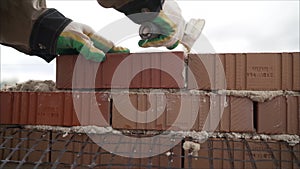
(81, 38)
(171, 27)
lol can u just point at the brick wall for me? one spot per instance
(173, 72)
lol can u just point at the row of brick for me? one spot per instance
(152, 111)
(249, 71)
(75, 149)
(79, 151)
(145, 70)
(246, 154)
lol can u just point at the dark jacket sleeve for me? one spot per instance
(138, 11)
(30, 27)
(45, 32)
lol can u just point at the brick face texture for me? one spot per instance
(280, 115)
(252, 71)
(53, 108)
(142, 70)
(183, 112)
(253, 154)
(154, 111)
(88, 150)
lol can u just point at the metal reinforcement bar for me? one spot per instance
(35, 148)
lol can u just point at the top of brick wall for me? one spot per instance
(243, 71)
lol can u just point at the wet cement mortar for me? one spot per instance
(197, 137)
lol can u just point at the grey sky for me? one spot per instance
(231, 26)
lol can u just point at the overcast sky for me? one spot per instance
(231, 26)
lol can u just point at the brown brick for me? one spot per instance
(203, 154)
(237, 115)
(50, 108)
(63, 79)
(286, 156)
(11, 140)
(251, 71)
(218, 158)
(97, 75)
(296, 150)
(6, 107)
(55, 108)
(241, 115)
(73, 149)
(161, 114)
(128, 149)
(25, 145)
(284, 113)
(242, 154)
(62, 149)
(293, 115)
(33, 147)
(16, 108)
(201, 71)
(265, 154)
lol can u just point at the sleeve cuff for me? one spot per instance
(142, 11)
(45, 33)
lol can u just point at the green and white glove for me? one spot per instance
(171, 25)
(81, 38)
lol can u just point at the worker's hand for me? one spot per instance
(171, 26)
(80, 38)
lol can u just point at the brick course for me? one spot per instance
(161, 71)
(250, 154)
(279, 115)
(53, 108)
(252, 71)
(245, 71)
(237, 115)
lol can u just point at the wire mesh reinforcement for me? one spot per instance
(32, 148)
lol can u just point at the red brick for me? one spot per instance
(63, 79)
(263, 153)
(11, 142)
(218, 153)
(73, 149)
(251, 71)
(166, 104)
(24, 110)
(29, 146)
(37, 142)
(80, 149)
(55, 108)
(203, 155)
(296, 150)
(6, 107)
(241, 115)
(16, 108)
(120, 157)
(284, 113)
(206, 159)
(286, 156)
(237, 115)
(97, 75)
(62, 148)
(50, 108)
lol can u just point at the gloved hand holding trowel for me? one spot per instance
(169, 29)
(32, 28)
